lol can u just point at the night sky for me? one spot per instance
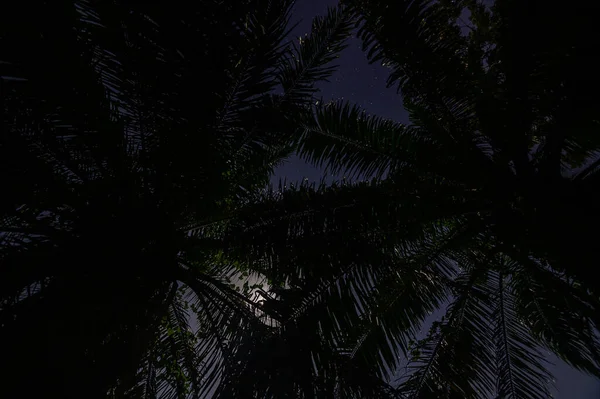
(364, 84)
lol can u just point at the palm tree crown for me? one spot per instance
(128, 129)
(483, 206)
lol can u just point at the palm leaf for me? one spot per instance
(521, 367)
(307, 62)
(455, 359)
(562, 317)
(409, 35)
(344, 139)
(404, 299)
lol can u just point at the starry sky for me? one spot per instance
(364, 84)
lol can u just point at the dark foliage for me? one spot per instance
(137, 235)
(126, 129)
(484, 205)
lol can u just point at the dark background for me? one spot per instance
(364, 84)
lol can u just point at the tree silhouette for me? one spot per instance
(126, 130)
(483, 206)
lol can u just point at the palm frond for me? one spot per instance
(307, 62)
(456, 358)
(419, 40)
(271, 230)
(521, 367)
(560, 315)
(225, 320)
(151, 99)
(253, 76)
(405, 298)
(51, 124)
(344, 139)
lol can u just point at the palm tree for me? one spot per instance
(483, 206)
(127, 130)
